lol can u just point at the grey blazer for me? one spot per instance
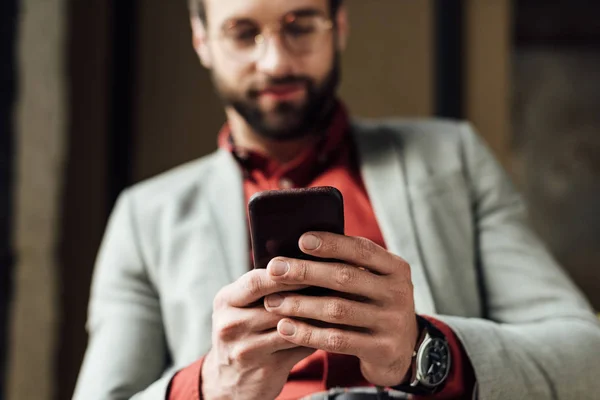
(442, 202)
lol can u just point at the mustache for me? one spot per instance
(258, 87)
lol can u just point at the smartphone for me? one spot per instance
(278, 218)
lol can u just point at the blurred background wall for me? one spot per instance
(110, 93)
(556, 132)
(38, 132)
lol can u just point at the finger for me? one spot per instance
(273, 342)
(332, 340)
(262, 320)
(326, 309)
(240, 322)
(353, 250)
(249, 288)
(336, 276)
(257, 347)
(288, 358)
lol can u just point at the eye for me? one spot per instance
(241, 33)
(245, 35)
(301, 27)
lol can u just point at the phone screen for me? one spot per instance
(279, 218)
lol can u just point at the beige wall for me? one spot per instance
(388, 67)
(177, 113)
(41, 127)
(488, 49)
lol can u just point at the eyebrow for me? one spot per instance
(300, 12)
(237, 21)
(306, 12)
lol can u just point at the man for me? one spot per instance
(443, 291)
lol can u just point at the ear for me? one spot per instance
(200, 41)
(343, 27)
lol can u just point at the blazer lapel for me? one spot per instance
(228, 208)
(381, 157)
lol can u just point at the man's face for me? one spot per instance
(284, 83)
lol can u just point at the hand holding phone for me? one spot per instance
(360, 305)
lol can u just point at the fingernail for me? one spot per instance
(274, 300)
(278, 267)
(310, 242)
(286, 329)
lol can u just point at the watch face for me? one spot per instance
(434, 362)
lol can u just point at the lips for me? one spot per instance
(283, 92)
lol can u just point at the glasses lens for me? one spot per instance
(245, 42)
(240, 40)
(305, 33)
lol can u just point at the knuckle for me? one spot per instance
(337, 311)
(300, 271)
(390, 349)
(242, 354)
(400, 293)
(295, 306)
(397, 292)
(364, 249)
(380, 349)
(336, 342)
(379, 324)
(402, 265)
(331, 247)
(307, 336)
(344, 275)
(254, 285)
(228, 331)
(387, 347)
(219, 300)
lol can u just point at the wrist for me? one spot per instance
(420, 337)
(207, 380)
(430, 362)
(214, 386)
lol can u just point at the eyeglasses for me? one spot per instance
(247, 42)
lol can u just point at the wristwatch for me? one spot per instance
(431, 361)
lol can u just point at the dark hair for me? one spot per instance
(197, 8)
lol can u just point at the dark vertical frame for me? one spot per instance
(8, 33)
(100, 67)
(122, 99)
(449, 55)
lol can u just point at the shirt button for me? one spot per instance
(285, 183)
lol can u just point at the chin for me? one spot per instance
(280, 109)
(282, 130)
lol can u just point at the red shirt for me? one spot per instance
(331, 162)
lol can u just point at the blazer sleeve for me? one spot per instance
(540, 338)
(126, 354)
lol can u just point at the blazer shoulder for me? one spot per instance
(434, 141)
(413, 130)
(173, 185)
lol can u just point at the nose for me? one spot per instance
(275, 59)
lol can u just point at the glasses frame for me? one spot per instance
(268, 31)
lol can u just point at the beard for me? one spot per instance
(287, 121)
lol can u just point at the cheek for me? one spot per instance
(229, 73)
(321, 62)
